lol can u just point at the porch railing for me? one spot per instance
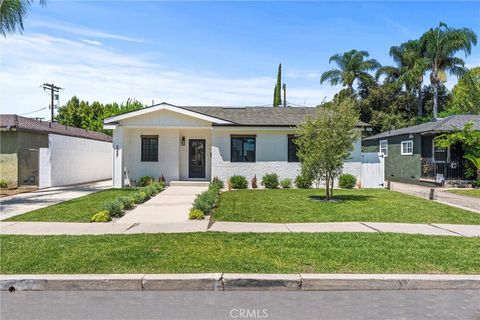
(451, 170)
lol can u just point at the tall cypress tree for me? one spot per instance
(277, 94)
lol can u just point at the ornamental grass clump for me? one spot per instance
(286, 183)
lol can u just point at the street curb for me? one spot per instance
(236, 282)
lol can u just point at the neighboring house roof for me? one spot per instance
(15, 122)
(238, 116)
(451, 123)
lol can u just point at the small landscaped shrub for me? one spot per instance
(159, 186)
(286, 183)
(270, 181)
(102, 216)
(114, 208)
(205, 201)
(139, 197)
(303, 182)
(216, 183)
(148, 192)
(145, 181)
(127, 202)
(238, 182)
(3, 183)
(347, 181)
(196, 214)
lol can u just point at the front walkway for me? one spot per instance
(25, 202)
(441, 195)
(60, 228)
(170, 206)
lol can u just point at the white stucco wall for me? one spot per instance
(71, 160)
(271, 155)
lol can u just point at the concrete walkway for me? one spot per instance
(24, 202)
(59, 228)
(441, 195)
(169, 206)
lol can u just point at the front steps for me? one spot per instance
(190, 183)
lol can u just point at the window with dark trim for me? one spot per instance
(149, 148)
(242, 148)
(292, 149)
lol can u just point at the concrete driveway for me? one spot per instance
(21, 203)
(169, 206)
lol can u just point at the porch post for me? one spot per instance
(118, 163)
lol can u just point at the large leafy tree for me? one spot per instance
(466, 94)
(12, 14)
(82, 114)
(326, 140)
(353, 66)
(440, 46)
(409, 70)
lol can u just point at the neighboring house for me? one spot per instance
(199, 143)
(45, 154)
(411, 154)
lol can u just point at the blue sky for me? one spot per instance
(221, 53)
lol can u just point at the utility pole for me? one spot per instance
(284, 95)
(53, 89)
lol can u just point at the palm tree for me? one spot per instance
(12, 13)
(352, 66)
(409, 71)
(440, 45)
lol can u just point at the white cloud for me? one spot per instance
(103, 74)
(79, 30)
(92, 42)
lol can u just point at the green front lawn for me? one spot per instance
(470, 193)
(296, 205)
(76, 210)
(254, 253)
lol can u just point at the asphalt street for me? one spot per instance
(393, 304)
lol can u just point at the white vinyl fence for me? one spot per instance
(373, 170)
(70, 160)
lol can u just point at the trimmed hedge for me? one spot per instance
(347, 181)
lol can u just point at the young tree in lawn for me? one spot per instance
(326, 140)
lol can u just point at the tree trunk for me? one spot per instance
(327, 187)
(331, 188)
(435, 99)
(419, 102)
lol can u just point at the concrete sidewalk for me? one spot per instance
(60, 228)
(25, 202)
(441, 195)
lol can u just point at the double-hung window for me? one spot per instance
(292, 149)
(407, 148)
(242, 149)
(384, 147)
(149, 148)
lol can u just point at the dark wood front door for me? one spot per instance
(196, 158)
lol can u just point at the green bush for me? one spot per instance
(145, 181)
(270, 181)
(205, 201)
(347, 181)
(115, 208)
(196, 214)
(139, 197)
(159, 186)
(303, 182)
(102, 216)
(286, 183)
(127, 202)
(238, 182)
(148, 192)
(3, 183)
(216, 183)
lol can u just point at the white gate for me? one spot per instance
(373, 170)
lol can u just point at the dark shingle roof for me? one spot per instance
(254, 116)
(451, 123)
(13, 121)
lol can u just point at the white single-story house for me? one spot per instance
(200, 143)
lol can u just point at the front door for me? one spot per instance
(196, 158)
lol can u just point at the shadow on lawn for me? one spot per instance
(340, 198)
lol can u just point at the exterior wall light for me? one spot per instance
(183, 141)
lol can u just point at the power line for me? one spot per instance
(23, 114)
